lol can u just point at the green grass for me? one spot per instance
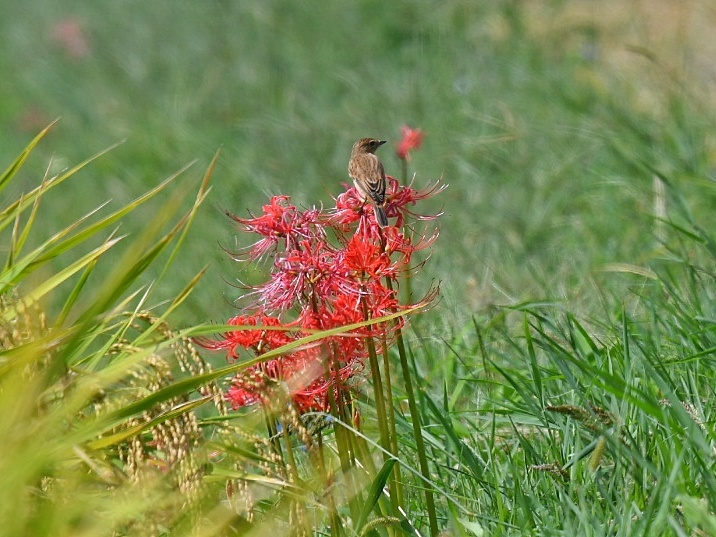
(575, 258)
(530, 137)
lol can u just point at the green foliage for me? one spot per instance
(589, 427)
(62, 375)
(563, 386)
(530, 135)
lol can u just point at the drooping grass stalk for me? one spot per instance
(64, 373)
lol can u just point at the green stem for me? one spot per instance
(378, 393)
(272, 431)
(345, 448)
(398, 489)
(346, 452)
(408, 284)
(380, 407)
(418, 434)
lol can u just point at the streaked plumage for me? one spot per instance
(368, 175)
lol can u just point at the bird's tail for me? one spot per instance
(380, 216)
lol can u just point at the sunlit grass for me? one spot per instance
(564, 381)
(518, 125)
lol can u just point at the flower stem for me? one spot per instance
(343, 437)
(398, 489)
(380, 406)
(407, 280)
(418, 434)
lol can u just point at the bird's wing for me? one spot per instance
(376, 180)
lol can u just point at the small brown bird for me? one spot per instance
(369, 176)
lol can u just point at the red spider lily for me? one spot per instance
(351, 208)
(401, 197)
(411, 139)
(280, 223)
(367, 260)
(310, 269)
(70, 35)
(261, 339)
(318, 284)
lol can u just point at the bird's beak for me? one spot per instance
(381, 142)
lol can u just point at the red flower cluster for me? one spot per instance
(317, 283)
(70, 35)
(411, 139)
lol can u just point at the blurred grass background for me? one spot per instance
(546, 118)
(562, 128)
